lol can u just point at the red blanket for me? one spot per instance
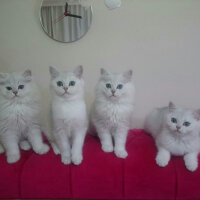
(101, 175)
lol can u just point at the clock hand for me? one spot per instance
(62, 16)
(70, 15)
(59, 19)
(66, 7)
(76, 16)
(66, 13)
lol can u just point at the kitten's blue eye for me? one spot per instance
(72, 83)
(186, 123)
(21, 87)
(8, 88)
(120, 86)
(108, 85)
(173, 120)
(59, 83)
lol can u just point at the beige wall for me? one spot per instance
(158, 39)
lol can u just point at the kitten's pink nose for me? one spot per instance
(113, 91)
(15, 93)
(178, 127)
(65, 88)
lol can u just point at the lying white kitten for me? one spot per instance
(112, 110)
(19, 114)
(70, 119)
(176, 132)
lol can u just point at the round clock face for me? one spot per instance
(65, 20)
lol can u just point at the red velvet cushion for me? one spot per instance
(44, 176)
(188, 183)
(143, 179)
(101, 175)
(10, 176)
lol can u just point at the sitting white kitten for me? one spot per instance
(70, 119)
(19, 114)
(176, 132)
(112, 110)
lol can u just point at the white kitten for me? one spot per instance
(112, 110)
(176, 132)
(19, 114)
(70, 119)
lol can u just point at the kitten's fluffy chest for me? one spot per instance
(113, 114)
(16, 116)
(179, 145)
(69, 112)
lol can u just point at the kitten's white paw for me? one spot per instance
(77, 159)
(55, 148)
(121, 153)
(66, 159)
(192, 166)
(162, 160)
(107, 148)
(42, 150)
(1, 149)
(191, 162)
(24, 145)
(12, 158)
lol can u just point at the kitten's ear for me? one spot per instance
(171, 106)
(78, 71)
(197, 114)
(54, 72)
(128, 75)
(3, 77)
(104, 72)
(27, 75)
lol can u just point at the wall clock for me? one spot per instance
(65, 20)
